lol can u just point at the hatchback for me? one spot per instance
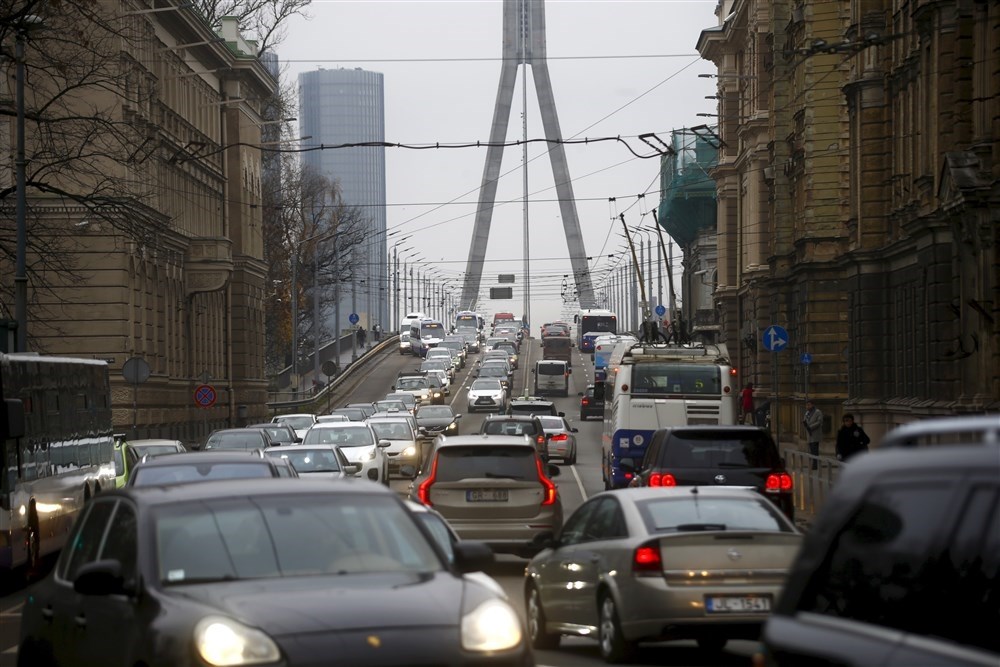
(293, 572)
(129, 453)
(358, 442)
(243, 439)
(528, 426)
(491, 488)
(703, 563)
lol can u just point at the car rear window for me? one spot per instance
(495, 461)
(667, 515)
(235, 440)
(712, 449)
(306, 460)
(199, 472)
(531, 409)
(551, 369)
(501, 427)
(553, 343)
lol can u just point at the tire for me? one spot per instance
(615, 649)
(712, 644)
(535, 619)
(572, 461)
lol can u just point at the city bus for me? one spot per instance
(468, 321)
(425, 334)
(593, 320)
(648, 387)
(57, 447)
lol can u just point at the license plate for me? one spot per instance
(483, 401)
(486, 495)
(737, 605)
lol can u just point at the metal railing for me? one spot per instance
(813, 478)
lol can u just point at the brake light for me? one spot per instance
(424, 490)
(540, 439)
(647, 561)
(662, 479)
(559, 437)
(778, 482)
(584, 401)
(550, 487)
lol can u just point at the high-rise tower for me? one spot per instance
(347, 106)
(524, 44)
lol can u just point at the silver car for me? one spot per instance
(653, 564)
(487, 394)
(358, 442)
(562, 438)
(316, 461)
(403, 448)
(491, 488)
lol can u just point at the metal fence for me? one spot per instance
(812, 476)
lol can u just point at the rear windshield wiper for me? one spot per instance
(493, 475)
(701, 526)
(730, 464)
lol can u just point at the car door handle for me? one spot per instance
(48, 614)
(80, 620)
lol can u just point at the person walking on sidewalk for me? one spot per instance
(361, 336)
(813, 423)
(851, 439)
(746, 404)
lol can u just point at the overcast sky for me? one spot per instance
(618, 68)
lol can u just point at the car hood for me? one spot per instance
(360, 453)
(302, 605)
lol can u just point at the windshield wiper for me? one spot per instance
(730, 464)
(199, 580)
(493, 475)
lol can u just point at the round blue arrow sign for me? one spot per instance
(661, 311)
(353, 318)
(775, 338)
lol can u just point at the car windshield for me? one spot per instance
(245, 440)
(199, 472)
(155, 450)
(386, 430)
(346, 436)
(436, 412)
(486, 461)
(308, 459)
(298, 422)
(712, 449)
(411, 383)
(486, 385)
(664, 515)
(253, 537)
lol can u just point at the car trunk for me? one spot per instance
(734, 557)
(494, 480)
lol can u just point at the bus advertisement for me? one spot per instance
(648, 387)
(592, 321)
(57, 447)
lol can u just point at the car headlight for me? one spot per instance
(452, 426)
(409, 451)
(492, 626)
(437, 394)
(224, 641)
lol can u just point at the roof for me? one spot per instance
(254, 488)
(658, 492)
(509, 418)
(484, 439)
(208, 456)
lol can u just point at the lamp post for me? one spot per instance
(394, 319)
(295, 301)
(27, 24)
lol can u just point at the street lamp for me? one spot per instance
(27, 24)
(394, 320)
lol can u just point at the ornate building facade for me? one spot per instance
(858, 187)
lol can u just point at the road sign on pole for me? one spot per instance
(775, 338)
(353, 318)
(204, 396)
(661, 310)
(806, 358)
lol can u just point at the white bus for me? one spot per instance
(57, 446)
(425, 334)
(648, 387)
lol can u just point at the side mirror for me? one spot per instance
(472, 556)
(458, 416)
(352, 468)
(546, 540)
(574, 429)
(552, 470)
(298, 438)
(407, 470)
(383, 444)
(196, 446)
(561, 414)
(579, 393)
(422, 430)
(101, 577)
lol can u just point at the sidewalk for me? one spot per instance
(348, 354)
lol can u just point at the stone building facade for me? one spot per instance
(858, 189)
(181, 292)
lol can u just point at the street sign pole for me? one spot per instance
(775, 339)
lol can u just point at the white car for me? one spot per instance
(487, 394)
(300, 423)
(403, 448)
(358, 443)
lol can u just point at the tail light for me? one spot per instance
(540, 439)
(778, 482)
(550, 487)
(662, 479)
(584, 401)
(424, 490)
(647, 561)
(559, 437)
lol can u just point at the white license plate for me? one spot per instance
(486, 495)
(737, 604)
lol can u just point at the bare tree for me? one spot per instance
(263, 19)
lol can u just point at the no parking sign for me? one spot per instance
(204, 396)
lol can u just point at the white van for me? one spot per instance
(551, 377)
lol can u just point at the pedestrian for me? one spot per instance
(361, 336)
(813, 423)
(377, 330)
(746, 404)
(851, 438)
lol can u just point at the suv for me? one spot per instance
(519, 425)
(592, 403)
(901, 566)
(416, 386)
(491, 488)
(533, 405)
(715, 455)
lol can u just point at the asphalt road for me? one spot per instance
(576, 483)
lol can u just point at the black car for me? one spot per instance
(523, 425)
(243, 439)
(437, 419)
(292, 572)
(902, 565)
(205, 466)
(715, 455)
(281, 434)
(592, 402)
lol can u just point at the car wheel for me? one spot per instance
(712, 644)
(614, 648)
(540, 639)
(572, 459)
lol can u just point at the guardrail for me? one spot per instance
(812, 476)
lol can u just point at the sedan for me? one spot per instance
(702, 563)
(291, 572)
(205, 467)
(316, 461)
(562, 438)
(487, 394)
(437, 419)
(359, 444)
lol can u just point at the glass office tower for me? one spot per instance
(345, 106)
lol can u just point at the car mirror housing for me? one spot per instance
(545, 540)
(384, 443)
(472, 556)
(552, 470)
(352, 468)
(407, 470)
(100, 577)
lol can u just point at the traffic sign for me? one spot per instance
(775, 338)
(806, 358)
(135, 370)
(204, 395)
(661, 311)
(353, 318)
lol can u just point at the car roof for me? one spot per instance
(348, 424)
(484, 439)
(152, 442)
(532, 402)
(156, 495)
(655, 492)
(510, 418)
(209, 456)
(296, 414)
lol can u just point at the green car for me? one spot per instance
(130, 452)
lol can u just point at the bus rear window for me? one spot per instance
(657, 378)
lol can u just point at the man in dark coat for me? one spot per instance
(851, 439)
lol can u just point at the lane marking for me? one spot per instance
(579, 483)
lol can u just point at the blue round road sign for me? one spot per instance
(806, 358)
(353, 318)
(661, 311)
(775, 338)
(204, 395)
